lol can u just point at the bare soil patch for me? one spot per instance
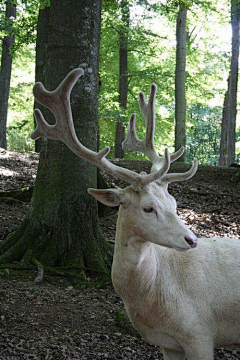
(55, 320)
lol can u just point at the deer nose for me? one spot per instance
(191, 240)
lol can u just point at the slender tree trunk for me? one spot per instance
(61, 229)
(180, 96)
(41, 56)
(228, 130)
(5, 73)
(223, 158)
(235, 19)
(123, 77)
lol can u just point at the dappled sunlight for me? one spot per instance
(17, 169)
(205, 224)
(170, 69)
(7, 172)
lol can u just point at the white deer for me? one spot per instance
(183, 298)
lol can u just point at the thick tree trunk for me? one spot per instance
(41, 56)
(180, 96)
(123, 77)
(62, 225)
(228, 130)
(5, 73)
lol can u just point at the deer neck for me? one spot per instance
(134, 261)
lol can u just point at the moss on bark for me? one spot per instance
(61, 229)
(23, 194)
(49, 248)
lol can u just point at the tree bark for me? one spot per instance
(123, 77)
(5, 73)
(62, 225)
(41, 56)
(228, 129)
(180, 96)
(223, 156)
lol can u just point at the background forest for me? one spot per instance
(138, 47)
(56, 241)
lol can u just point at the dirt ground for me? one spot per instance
(54, 320)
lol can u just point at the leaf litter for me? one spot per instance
(55, 320)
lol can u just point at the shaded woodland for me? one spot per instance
(189, 50)
(56, 241)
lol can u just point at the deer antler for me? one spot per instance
(146, 146)
(58, 101)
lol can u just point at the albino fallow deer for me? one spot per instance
(183, 298)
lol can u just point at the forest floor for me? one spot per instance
(55, 320)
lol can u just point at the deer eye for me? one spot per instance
(148, 209)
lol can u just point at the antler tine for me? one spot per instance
(177, 154)
(142, 103)
(43, 128)
(148, 110)
(181, 176)
(58, 101)
(149, 113)
(160, 173)
(146, 146)
(50, 99)
(150, 120)
(132, 141)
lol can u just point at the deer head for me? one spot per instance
(148, 211)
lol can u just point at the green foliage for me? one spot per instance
(26, 24)
(20, 118)
(20, 112)
(147, 63)
(151, 59)
(18, 138)
(204, 134)
(23, 28)
(123, 321)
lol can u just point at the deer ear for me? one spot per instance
(109, 197)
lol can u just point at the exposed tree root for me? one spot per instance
(22, 248)
(12, 239)
(18, 266)
(40, 268)
(15, 252)
(84, 268)
(76, 278)
(10, 201)
(62, 272)
(54, 250)
(22, 195)
(6, 269)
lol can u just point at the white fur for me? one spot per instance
(187, 302)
